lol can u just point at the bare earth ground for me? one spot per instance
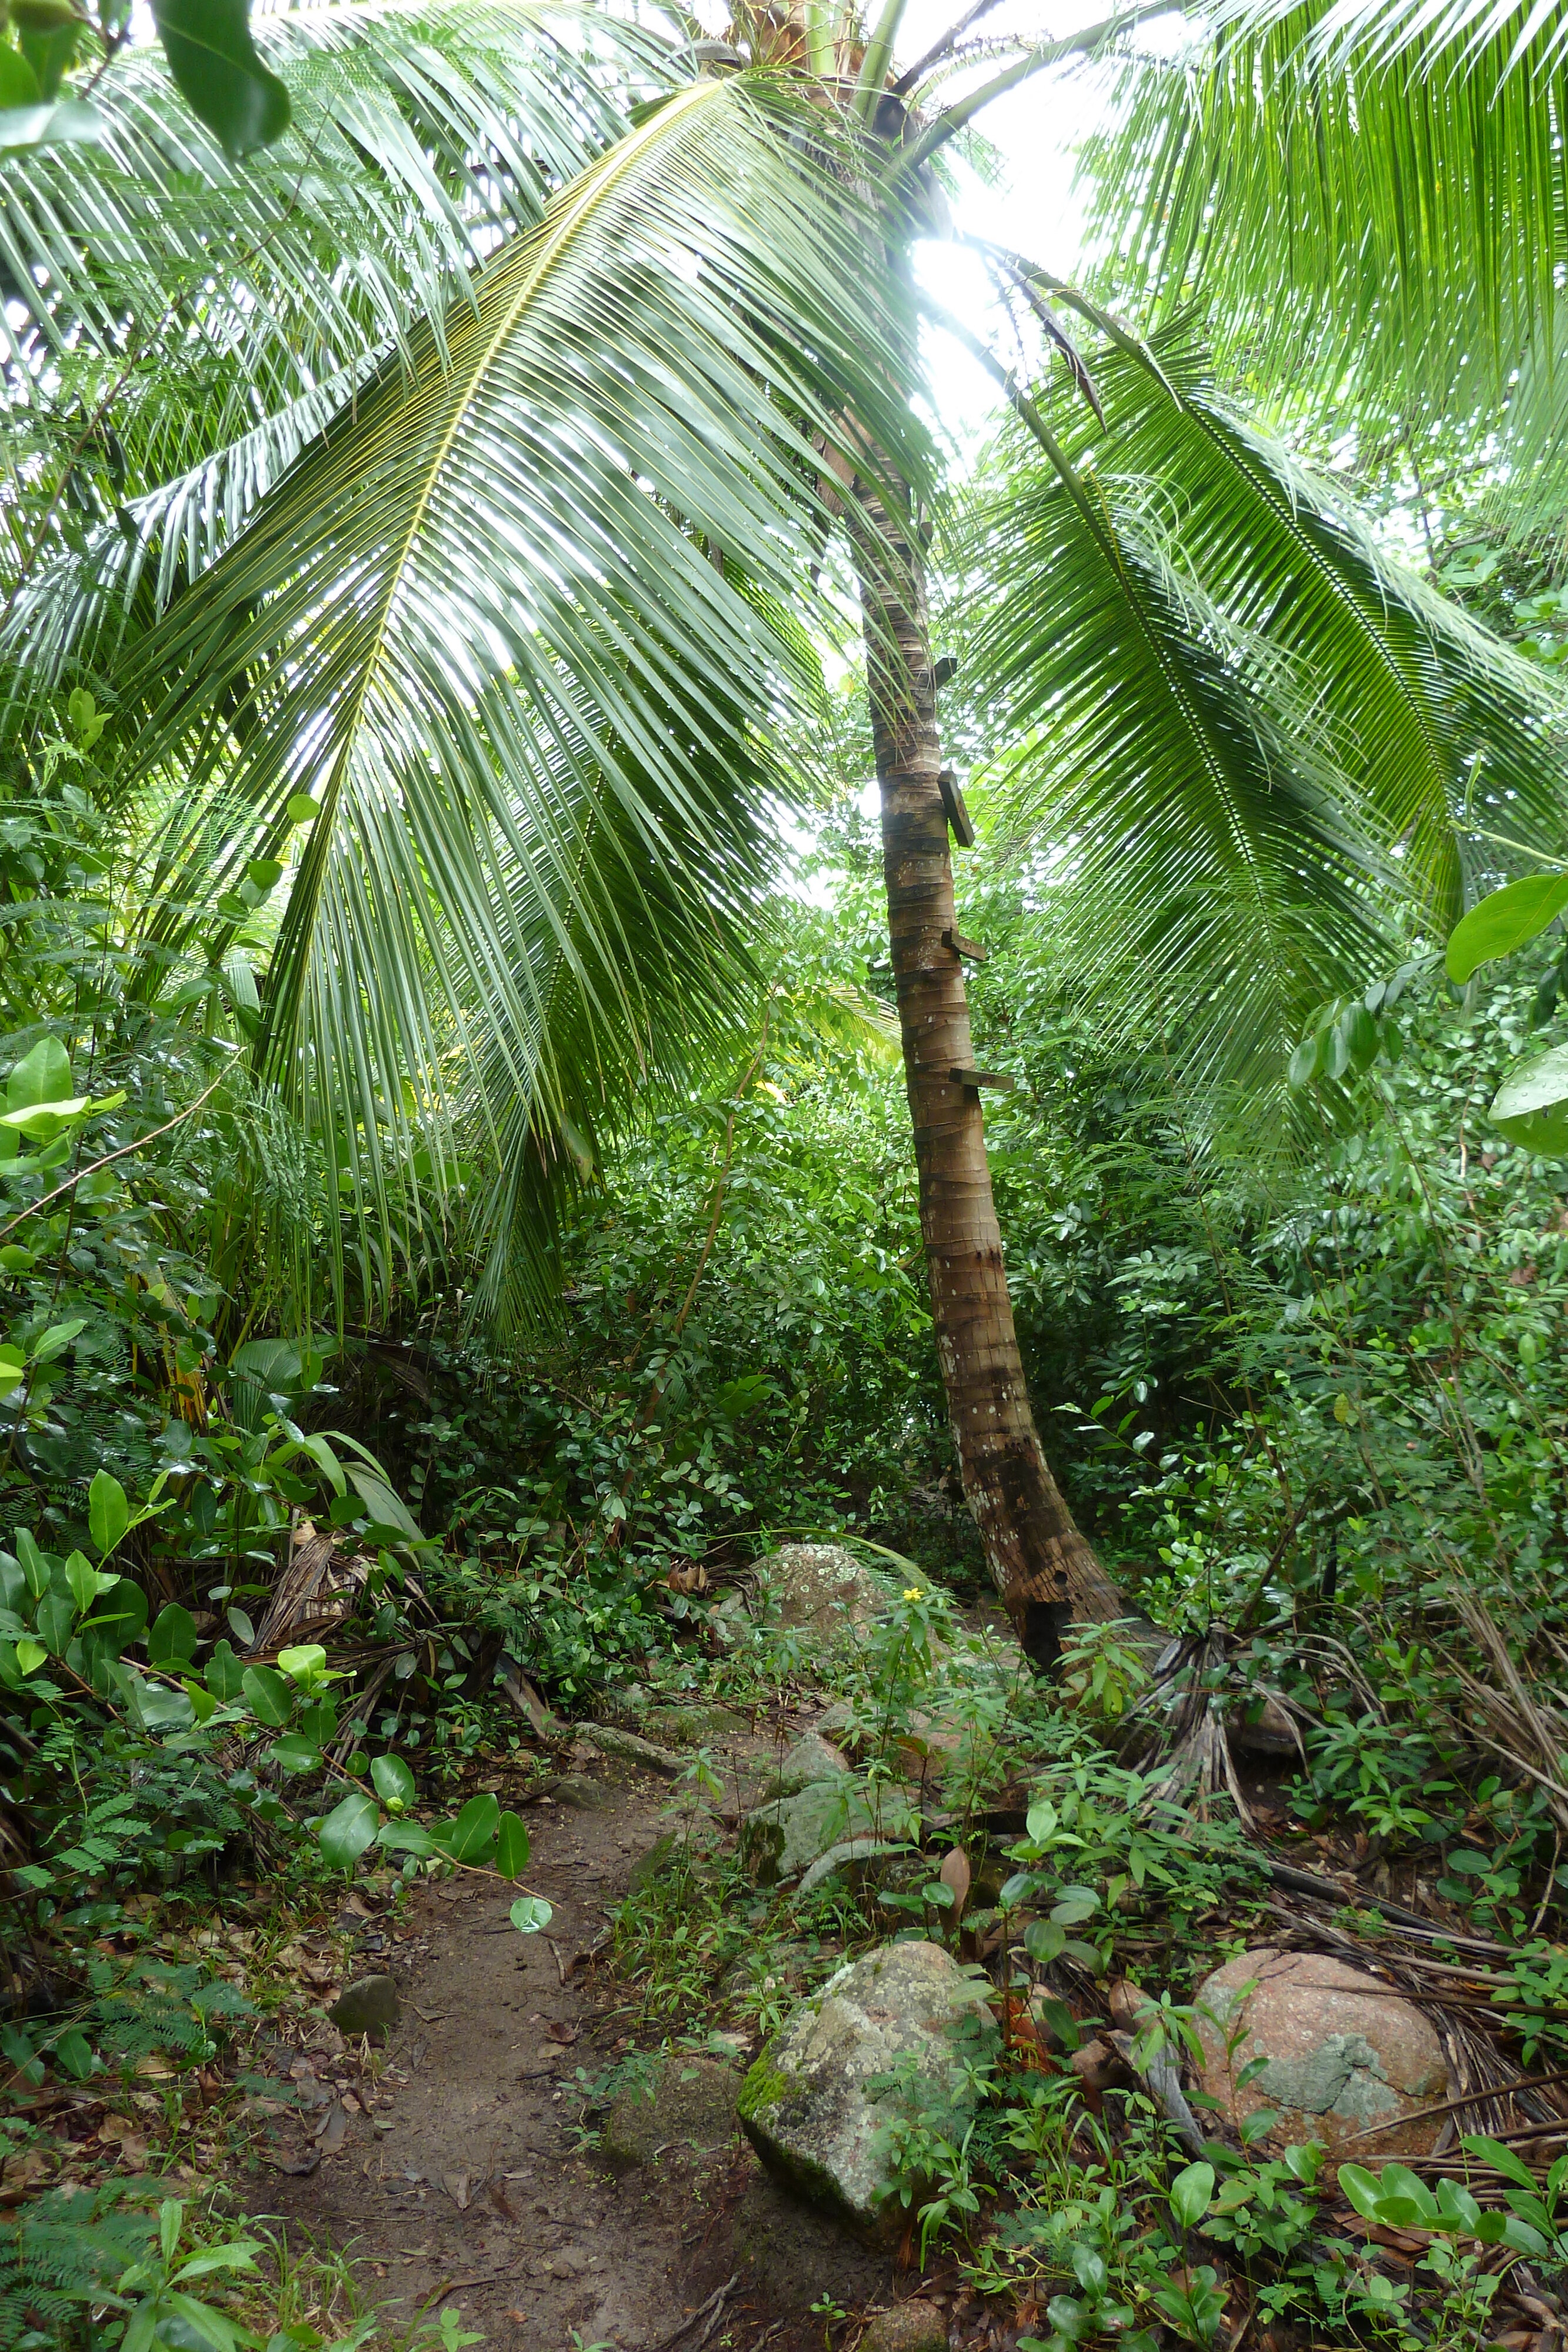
(465, 2185)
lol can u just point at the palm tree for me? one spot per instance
(483, 626)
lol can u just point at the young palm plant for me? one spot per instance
(484, 625)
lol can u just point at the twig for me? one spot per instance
(1471, 2099)
(71, 1181)
(709, 2311)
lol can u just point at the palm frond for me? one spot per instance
(515, 619)
(1373, 191)
(424, 132)
(1244, 738)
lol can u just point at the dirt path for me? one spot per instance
(465, 2182)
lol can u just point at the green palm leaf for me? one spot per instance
(1372, 191)
(515, 620)
(1247, 738)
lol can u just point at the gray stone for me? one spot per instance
(581, 1792)
(780, 1840)
(370, 2005)
(810, 1759)
(1348, 2061)
(851, 1855)
(693, 1726)
(686, 2102)
(823, 1589)
(914, 2327)
(651, 1867)
(806, 2105)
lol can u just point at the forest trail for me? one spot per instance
(468, 2186)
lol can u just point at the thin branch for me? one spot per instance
(942, 48)
(1087, 44)
(141, 1141)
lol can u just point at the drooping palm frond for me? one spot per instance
(1244, 737)
(515, 619)
(178, 324)
(1373, 191)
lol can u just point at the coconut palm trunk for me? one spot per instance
(1043, 1566)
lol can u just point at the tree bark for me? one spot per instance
(1044, 1568)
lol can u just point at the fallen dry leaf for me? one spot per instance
(297, 2165)
(330, 2130)
(456, 2187)
(563, 2032)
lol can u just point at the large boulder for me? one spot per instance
(782, 1838)
(1349, 2061)
(812, 1760)
(807, 2106)
(823, 1589)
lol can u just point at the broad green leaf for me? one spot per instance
(348, 1828)
(19, 82)
(406, 1837)
(511, 1846)
(82, 1578)
(1501, 2158)
(225, 1673)
(1503, 920)
(295, 1753)
(1044, 1941)
(35, 1567)
(73, 2054)
(303, 810)
(1190, 2193)
(530, 1913)
(54, 1621)
(173, 1640)
(1077, 1903)
(42, 1075)
(204, 1705)
(121, 1613)
(473, 1830)
(319, 1723)
(109, 1513)
(304, 1663)
(12, 1369)
(268, 1696)
(1361, 2187)
(219, 71)
(393, 1780)
(30, 1656)
(1531, 1107)
(56, 1339)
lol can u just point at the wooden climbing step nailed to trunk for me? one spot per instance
(958, 818)
(967, 1077)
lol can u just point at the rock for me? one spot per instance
(1263, 1728)
(810, 1759)
(693, 1726)
(611, 1740)
(581, 1791)
(782, 1838)
(823, 1589)
(687, 2101)
(805, 2105)
(370, 2005)
(838, 1722)
(651, 1867)
(851, 1855)
(916, 2326)
(1343, 2052)
(1100, 2067)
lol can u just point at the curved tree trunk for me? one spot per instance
(1045, 1570)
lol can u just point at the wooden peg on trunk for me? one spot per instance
(959, 816)
(966, 950)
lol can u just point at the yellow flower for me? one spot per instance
(914, 1592)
